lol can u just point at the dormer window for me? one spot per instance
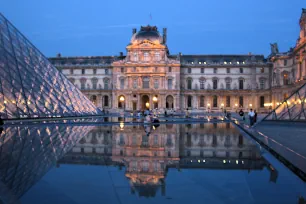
(146, 56)
(135, 55)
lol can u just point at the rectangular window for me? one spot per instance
(262, 101)
(228, 101)
(146, 56)
(156, 83)
(169, 83)
(83, 71)
(228, 85)
(122, 70)
(202, 70)
(106, 71)
(121, 83)
(94, 71)
(241, 84)
(215, 70)
(241, 70)
(202, 84)
(202, 101)
(228, 71)
(157, 56)
(189, 70)
(71, 71)
(135, 83)
(170, 69)
(146, 83)
(285, 62)
(262, 84)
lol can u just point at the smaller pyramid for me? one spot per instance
(293, 108)
(30, 86)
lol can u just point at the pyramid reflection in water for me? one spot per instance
(293, 108)
(30, 86)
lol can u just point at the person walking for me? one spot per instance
(255, 116)
(251, 116)
(241, 113)
(1, 121)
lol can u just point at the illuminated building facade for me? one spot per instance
(149, 77)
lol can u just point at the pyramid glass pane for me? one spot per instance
(30, 86)
(293, 108)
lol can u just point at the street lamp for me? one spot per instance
(147, 104)
(121, 99)
(155, 99)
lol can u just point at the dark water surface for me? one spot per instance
(172, 163)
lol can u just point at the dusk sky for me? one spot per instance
(100, 27)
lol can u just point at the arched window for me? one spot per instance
(215, 83)
(189, 83)
(285, 78)
(202, 83)
(215, 101)
(202, 101)
(169, 102)
(241, 101)
(170, 83)
(93, 99)
(189, 101)
(241, 83)
(105, 101)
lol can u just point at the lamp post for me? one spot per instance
(208, 107)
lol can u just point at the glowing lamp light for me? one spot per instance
(147, 104)
(237, 62)
(5, 102)
(155, 99)
(237, 162)
(121, 99)
(236, 104)
(277, 103)
(251, 105)
(121, 125)
(222, 104)
(288, 102)
(208, 104)
(224, 161)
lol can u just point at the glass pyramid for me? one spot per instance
(293, 108)
(30, 86)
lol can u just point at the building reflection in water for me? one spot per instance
(147, 158)
(28, 152)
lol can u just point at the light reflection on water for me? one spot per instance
(147, 157)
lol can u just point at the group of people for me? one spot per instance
(252, 116)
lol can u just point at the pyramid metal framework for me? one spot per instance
(30, 86)
(293, 108)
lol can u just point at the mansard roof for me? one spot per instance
(147, 33)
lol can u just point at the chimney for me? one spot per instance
(58, 55)
(165, 35)
(134, 31)
(121, 54)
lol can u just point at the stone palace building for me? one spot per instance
(148, 76)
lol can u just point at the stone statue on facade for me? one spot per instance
(208, 87)
(222, 86)
(235, 86)
(274, 48)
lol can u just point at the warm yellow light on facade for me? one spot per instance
(121, 98)
(208, 104)
(155, 99)
(250, 105)
(5, 102)
(236, 104)
(147, 104)
(277, 103)
(222, 104)
(288, 102)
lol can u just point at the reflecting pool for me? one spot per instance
(133, 163)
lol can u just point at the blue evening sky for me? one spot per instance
(104, 27)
